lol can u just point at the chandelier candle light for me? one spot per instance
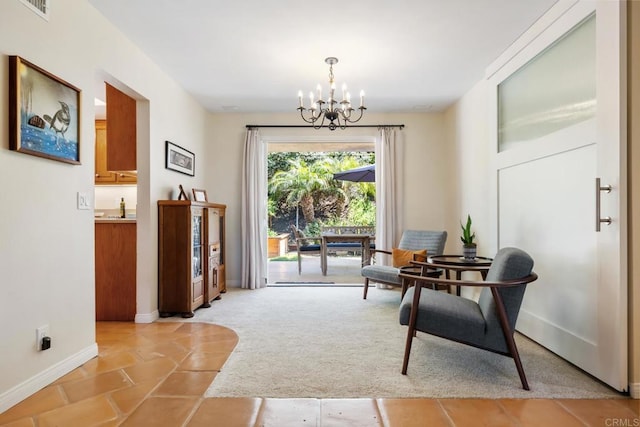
(338, 113)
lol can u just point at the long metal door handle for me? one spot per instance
(599, 220)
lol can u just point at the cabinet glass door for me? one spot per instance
(196, 223)
(222, 239)
(214, 226)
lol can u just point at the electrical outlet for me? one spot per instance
(41, 332)
(83, 201)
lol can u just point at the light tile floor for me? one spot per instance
(340, 270)
(156, 375)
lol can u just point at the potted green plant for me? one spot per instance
(468, 247)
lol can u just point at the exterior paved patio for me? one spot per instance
(341, 270)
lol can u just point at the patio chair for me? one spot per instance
(411, 240)
(305, 245)
(488, 324)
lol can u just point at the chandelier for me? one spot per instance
(337, 113)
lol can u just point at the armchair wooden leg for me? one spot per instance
(407, 351)
(412, 327)
(508, 336)
(516, 358)
(366, 287)
(405, 286)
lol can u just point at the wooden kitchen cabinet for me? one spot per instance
(103, 175)
(121, 130)
(115, 270)
(190, 255)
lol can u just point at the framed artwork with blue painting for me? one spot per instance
(44, 118)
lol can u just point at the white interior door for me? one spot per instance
(560, 124)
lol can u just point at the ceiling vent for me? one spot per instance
(40, 7)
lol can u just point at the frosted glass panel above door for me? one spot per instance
(556, 90)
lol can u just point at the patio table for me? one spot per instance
(327, 238)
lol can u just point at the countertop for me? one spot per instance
(115, 220)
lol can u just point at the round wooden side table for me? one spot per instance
(459, 264)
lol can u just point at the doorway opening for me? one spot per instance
(121, 120)
(304, 198)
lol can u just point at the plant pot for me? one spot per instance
(469, 252)
(277, 245)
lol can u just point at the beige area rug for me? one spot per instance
(326, 342)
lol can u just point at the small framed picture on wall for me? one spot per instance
(179, 159)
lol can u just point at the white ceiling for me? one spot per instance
(254, 55)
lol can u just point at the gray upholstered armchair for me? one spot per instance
(488, 324)
(414, 240)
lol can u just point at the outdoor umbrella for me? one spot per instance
(361, 174)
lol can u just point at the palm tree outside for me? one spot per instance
(297, 185)
(304, 182)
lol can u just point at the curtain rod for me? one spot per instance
(325, 126)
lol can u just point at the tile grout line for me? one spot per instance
(193, 411)
(154, 389)
(446, 413)
(570, 412)
(259, 413)
(507, 413)
(378, 412)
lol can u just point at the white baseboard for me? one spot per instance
(634, 390)
(20, 392)
(147, 317)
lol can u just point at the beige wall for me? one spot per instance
(47, 245)
(634, 193)
(425, 154)
(468, 137)
(467, 133)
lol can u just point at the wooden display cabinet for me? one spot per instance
(190, 255)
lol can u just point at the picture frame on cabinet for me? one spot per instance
(44, 113)
(182, 195)
(179, 159)
(199, 195)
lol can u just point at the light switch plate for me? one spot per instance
(83, 201)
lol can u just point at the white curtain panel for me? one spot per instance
(388, 200)
(254, 212)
